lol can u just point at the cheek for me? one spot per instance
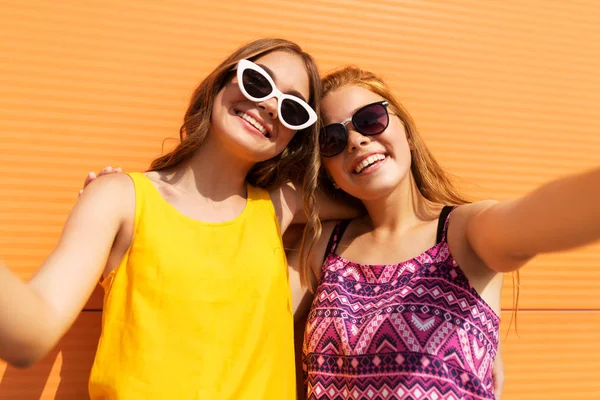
(395, 136)
(405, 147)
(219, 102)
(229, 94)
(285, 135)
(223, 102)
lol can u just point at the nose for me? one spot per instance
(355, 139)
(269, 106)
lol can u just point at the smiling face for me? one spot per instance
(370, 166)
(253, 131)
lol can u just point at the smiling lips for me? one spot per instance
(367, 162)
(254, 123)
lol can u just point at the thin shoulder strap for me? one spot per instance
(336, 236)
(442, 227)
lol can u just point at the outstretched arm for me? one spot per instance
(560, 215)
(302, 297)
(289, 204)
(34, 315)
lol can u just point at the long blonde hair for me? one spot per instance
(432, 181)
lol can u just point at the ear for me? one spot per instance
(330, 178)
(335, 186)
(411, 146)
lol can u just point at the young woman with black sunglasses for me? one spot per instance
(408, 296)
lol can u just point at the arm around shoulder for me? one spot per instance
(289, 203)
(35, 315)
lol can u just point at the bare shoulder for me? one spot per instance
(110, 192)
(465, 211)
(484, 280)
(288, 193)
(113, 183)
(460, 219)
(287, 202)
(112, 196)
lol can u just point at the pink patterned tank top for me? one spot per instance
(415, 330)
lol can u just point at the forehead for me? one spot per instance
(289, 71)
(341, 103)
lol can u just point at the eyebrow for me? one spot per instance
(292, 92)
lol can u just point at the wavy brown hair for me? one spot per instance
(431, 180)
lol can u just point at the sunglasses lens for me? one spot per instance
(371, 120)
(256, 84)
(293, 113)
(333, 140)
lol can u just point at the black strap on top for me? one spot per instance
(340, 228)
(442, 223)
(336, 237)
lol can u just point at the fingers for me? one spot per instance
(92, 175)
(89, 178)
(106, 171)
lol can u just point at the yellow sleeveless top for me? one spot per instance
(197, 310)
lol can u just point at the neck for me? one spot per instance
(212, 172)
(401, 209)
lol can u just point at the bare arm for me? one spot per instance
(558, 216)
(289, 205)
(301, 300)
(333, 209)
(301, 297)
(498, 373)
(34, 315)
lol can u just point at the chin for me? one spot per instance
(371, 192)
(376, 188)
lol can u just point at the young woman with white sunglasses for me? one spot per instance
(197, 300)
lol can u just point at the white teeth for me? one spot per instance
(252, 122)
(368, 161)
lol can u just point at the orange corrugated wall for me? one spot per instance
(506, 94)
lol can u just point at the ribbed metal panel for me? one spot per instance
(556, 356)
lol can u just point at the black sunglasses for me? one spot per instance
(369, 120)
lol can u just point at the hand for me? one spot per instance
(92, 175)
